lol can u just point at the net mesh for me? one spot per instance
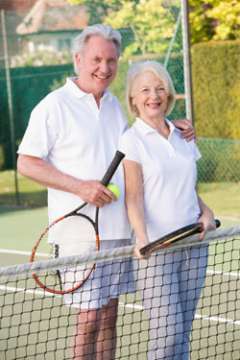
(150, 322)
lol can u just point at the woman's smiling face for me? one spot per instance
(150, 96)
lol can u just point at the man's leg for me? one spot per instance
(86, 335)
(107, 337)
(96, 333)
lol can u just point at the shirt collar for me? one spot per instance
(76, 91)
(172, 127)
(145, 129)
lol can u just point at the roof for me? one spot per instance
(53, 15)
(17, 5)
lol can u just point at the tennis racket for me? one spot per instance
(73, 227)
(174, 237)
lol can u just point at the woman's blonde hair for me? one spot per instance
(157, 69)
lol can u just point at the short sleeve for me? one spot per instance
(128, 145)
(40, 134)
(196, 153)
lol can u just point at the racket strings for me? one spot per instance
(70, 236)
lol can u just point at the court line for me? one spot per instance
(217, 319)
(19, 252)
(231, 218)
(224, 273)
(136, 307)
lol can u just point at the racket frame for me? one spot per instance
(173, 237)
(105, 181)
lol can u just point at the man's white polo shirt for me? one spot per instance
(169, 176)
(68, 130)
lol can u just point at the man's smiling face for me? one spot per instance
(97, 65)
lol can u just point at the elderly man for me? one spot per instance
(71, 138)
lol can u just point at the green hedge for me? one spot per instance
(29, 86)
(216, 88)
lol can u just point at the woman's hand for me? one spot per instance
(137, 247)
(208, 221)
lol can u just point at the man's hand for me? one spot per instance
(46, 174)
(95, 193)
(186, 128)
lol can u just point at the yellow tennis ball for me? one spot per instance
(114, 189)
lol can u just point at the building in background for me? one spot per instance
(14, 11)
(37, 26)
(51, 25)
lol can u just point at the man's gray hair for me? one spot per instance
(105, 31)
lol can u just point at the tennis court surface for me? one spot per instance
(38, 325)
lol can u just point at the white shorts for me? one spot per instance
(109, 280)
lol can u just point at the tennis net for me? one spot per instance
(35, 324)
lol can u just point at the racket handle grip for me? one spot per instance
(112, 168)
(217, 223)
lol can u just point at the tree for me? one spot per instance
(97, 9)
(214, 20)
(41, 58)
(151, 21)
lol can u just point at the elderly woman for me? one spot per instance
(161, 196)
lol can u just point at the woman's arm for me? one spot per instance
(135, 203)
(206, 218)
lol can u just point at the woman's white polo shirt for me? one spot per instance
(169, 176)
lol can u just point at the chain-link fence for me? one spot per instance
(35, 53)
